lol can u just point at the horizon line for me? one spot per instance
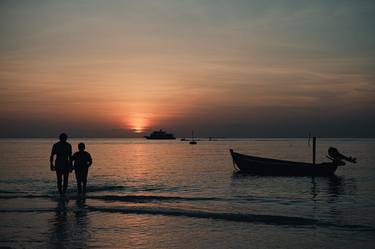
(177, 138)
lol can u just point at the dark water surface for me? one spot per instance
(169, 194)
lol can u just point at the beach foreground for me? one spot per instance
(168, 194)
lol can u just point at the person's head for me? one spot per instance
(63, 137)
(81, 146)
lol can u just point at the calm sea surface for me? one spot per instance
(169, 194)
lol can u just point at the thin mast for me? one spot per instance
(314, 150)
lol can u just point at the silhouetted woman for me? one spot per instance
(63, 152)
(81, 162)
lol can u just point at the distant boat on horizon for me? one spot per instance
(160, 134)
(192, 138)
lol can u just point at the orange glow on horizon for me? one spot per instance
(138, 129)
(137, 125)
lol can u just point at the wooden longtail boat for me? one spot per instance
(273, 167)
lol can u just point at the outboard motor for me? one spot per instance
(336, 156)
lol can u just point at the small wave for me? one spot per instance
(201, 214)
(28, 210)
(10, 192)
(120, 198)
(237, 217)
(268, 219)
(95, 188)
(150, 198)
(104, 188)
(27, 196)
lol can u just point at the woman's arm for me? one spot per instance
(89, 160)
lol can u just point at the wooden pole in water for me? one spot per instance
(314, 149)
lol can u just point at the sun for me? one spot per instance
(138, 130)
(137, 125)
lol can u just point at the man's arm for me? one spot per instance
(70, 158)
(53, 152)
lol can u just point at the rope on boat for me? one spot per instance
(308, 140)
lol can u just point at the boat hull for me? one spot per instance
(272, 167)
(160, 138)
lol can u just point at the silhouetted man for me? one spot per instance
(82, 161)
(63, 152)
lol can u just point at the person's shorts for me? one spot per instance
(62, 169)
(81, 173)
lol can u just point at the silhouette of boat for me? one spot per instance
(192, 138)
(273, 167)
(160, 134)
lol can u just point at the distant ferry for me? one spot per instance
(160, 135)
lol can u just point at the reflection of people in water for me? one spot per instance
(81, 162)
(68, 227)
(59, 231)
(62, 166)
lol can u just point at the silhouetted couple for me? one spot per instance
(65, 163)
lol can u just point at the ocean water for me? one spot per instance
(169, 194)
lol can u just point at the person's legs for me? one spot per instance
(66, 177)
(59, 180)
(79, 185)
(84, 179)
(78, 178)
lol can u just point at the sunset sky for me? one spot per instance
(236, 68)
